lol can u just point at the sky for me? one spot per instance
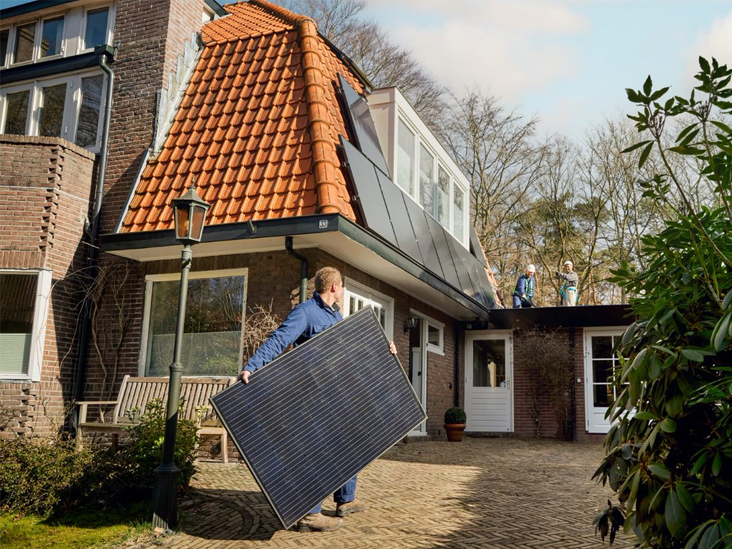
(566, 62)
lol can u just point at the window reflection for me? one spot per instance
(489, 363)
(53, 31)
(52, 111)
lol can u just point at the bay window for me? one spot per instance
(213, 328)
(69, 107)
(405, 163)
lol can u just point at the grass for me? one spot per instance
(97, 529)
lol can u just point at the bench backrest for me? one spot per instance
(137, 392)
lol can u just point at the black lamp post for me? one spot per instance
(190, 213)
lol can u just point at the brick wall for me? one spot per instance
(45, 188)
(150, 36)
(274, 277)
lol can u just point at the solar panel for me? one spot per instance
(363, 125)
(314, 417)
(368, 192)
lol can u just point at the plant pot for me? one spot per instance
(454, 431)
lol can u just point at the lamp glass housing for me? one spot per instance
(190, 214)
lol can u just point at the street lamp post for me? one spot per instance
(190, 213)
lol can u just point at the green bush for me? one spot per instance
(44, 477)
(455, 415)
(144, 453)
(669, 453)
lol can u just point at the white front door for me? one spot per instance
(488, 382)
(601, 364)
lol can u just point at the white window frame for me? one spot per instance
(40, 321)
(110, 25)
(371, 297)
(72, 104)
(438, 163)
(72, 42)
(588, 333)
(428, 321)
(171, 277)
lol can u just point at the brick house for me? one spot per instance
(304, 165)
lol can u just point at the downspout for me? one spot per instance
(573, 392)
(457, 365)
(95, 226)
(303, 268)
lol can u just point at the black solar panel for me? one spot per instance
(368, 192)
(311, 419)
(363, 125)
(396, 201)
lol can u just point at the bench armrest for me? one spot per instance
(83, 407)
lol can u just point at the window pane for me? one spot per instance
(405, 159)
(433, 335)
(53, 32)
(602, 370)
(442, 196)
(18, 298)
(24, 38)
(17, 112)
(603, 395)
(602, 347)
(96, 28)
(91, 101)
(459, 214)
(213, 326)
(52, 111)
(4, 35)
(426, 179)
(489, 363)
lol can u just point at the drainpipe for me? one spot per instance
(457, 365)
(93, 232)
(303, 268)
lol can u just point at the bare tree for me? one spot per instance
(383, 62)
(495, 149)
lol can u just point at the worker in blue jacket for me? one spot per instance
(305, 321)
(523, 294)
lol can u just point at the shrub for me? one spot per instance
(144, 453)
(44, 477)
(669, 454)
(455, 415)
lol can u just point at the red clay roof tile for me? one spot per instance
(245, 122)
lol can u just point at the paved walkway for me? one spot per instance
(485, 492)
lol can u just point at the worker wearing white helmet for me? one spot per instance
(523, 294)
(568, 290)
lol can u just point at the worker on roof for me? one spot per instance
(568, 290)
(523, 294)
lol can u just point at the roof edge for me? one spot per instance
(281, 12)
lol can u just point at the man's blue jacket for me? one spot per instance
(304, 321)
(525, 285)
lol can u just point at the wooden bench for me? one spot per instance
(136, 392)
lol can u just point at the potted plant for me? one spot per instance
(455, 419)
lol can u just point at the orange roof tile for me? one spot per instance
(258, 125)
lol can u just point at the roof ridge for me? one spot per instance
(321, 145)
(281, 12)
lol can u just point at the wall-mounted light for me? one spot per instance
(410, 323)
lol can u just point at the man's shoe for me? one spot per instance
(343, 509)
(318, 522)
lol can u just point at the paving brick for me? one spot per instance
(496, 493)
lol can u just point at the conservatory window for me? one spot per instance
(426, 179)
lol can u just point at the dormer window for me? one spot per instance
(419, 164)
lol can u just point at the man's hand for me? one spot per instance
(244, 376)
(392, 348)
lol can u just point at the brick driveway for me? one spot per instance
(485, 492)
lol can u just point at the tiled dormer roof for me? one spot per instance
(257, 127)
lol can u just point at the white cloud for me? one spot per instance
(495, 47)
(716, 41)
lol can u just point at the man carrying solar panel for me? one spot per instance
(305, 321)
